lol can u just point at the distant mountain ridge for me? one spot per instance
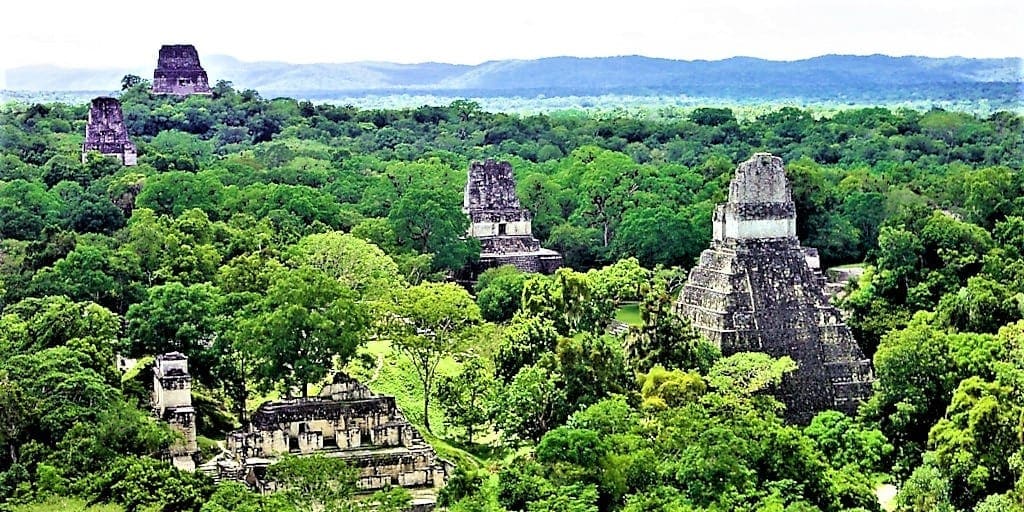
(842, 76)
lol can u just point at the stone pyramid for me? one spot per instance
(757, 290)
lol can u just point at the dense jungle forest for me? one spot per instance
(273, 241)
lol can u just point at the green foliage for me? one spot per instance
(523, 342)
(465, 397)
(925, 490)
(141, 482)
(233, 497)
(359, 265)
(747, 373)
(429, 320)
(661, 388)
(918, 370)
(531, 405)
(226, 242)
(571, 300)
(847, 443)
(499, 292)
(664, 338)
(314, 482)
(430, 221)
(308, 320)
(175, 317)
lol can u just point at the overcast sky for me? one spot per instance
(128, 33)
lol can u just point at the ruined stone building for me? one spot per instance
(178, 71)
(105, 132)
(500, 223)
(349, 421)
(172, 402)
(756, 289)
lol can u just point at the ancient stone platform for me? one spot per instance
(178, 71)
(500, 222)
(105, 132)
(348, 421)
(756, 289)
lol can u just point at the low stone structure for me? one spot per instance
(105, 132)
(501, 224)
(178, 71)
(172, 402)
(348, 421)
(756, 289)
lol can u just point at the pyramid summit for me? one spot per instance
(178, 71)
(105, 132)
(501, 223)
(757, 290)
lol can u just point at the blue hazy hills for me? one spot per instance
(828, 77)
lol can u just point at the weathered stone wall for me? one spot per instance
(105, 132)
(757, 289)
(348, 421)
(178, 71)
(172, 402)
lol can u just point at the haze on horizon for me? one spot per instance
(123, 34)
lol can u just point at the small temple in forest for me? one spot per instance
(178, 71)
(105, 132)
(172, 402)
(757, 290)
(501, 224)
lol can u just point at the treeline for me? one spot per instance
(269, 239)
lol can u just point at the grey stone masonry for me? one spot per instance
(178, 71)
(105, 132)
(756, 289)
(172, 402)
(500, 222)
(346, 421)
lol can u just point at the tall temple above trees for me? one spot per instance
(500, 223)
(105, 132)
(757, 290)
(178, 71)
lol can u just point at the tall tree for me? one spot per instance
(308, 320)
(429, 320)
(431, 221)
(465, 397)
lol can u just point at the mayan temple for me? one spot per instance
(757, 289)
(500, 223)
(105, 132)
(178, 71)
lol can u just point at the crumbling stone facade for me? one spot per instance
(178, 71)
(105, 132)
(172, 402)
(501, 224)
(346, 420)
(756, 289)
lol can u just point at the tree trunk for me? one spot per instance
(426, 408)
